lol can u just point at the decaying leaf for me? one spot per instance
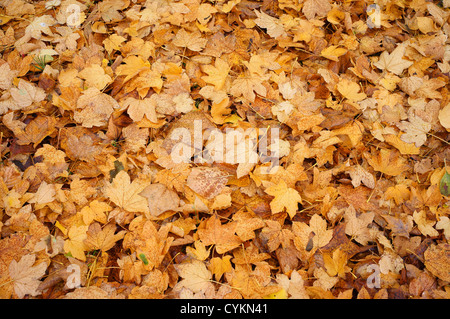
(224, 149)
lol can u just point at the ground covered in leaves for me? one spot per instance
(94, 205)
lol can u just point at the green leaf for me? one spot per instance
(143, 258)
(444, 186)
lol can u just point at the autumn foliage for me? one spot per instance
(91, 91)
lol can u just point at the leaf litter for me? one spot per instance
(93, 205)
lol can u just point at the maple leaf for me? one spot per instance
(400, 226)
(192, 41)
(311, 8)
(207, 182)
(247, 223)
(40, 25)
(273, 26)
(26, 94)
(437, 260)
(246, 86)
(95, 211)
(44, 195)
(388, 162)
(6, 76)
(113, 42)
(285, 197)
(335, 263)
(222, 236)
(132, 67)
(294, 286)
(276, 236)
(196, 277)
(75, 245)
(394, 61)
(350, 90)
(218, 266)
(333, 52)
(95, 76)
(125, 193)
(358, 174)
(425, 225)
(103, 239)
(94, 108)
(254, 284)
(248, 255)
(26, 276)
(36, 130)
(217, 74)
(199, 252)
(415, 130)
(137, 109)
(160, 199)
(356, 226)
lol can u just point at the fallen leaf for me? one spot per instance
(221, 236)
(160, 199)
(125, 193)
(437, 260)
(102, 238)
(207, 182)
(394, 62)
(196, 277)
(192, 41)
(25, 275)
(388, 162)
(284, 197)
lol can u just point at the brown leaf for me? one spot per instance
(437, 260)
(207, 182)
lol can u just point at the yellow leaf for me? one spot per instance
(399, 193)
(335, 264)
(388, 162)
(273, 25)
(195, 276)
(333, 52)
(160, 199)
(4, 19)
(95, 76)
(125, 194)
(132, 67)
(75, 244)
(403, 147)
(103, 239)
(192, 41)
(444, 223)
(350, 90)
(394, 61)
(425, 225)
(61, 227)
(285, 197)
(444, 116)
(199, 252)
(217, 74)
(218, 266)
(220, 111)
(95, 211)
(113, 42)
(137, 109)
(282, 294)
